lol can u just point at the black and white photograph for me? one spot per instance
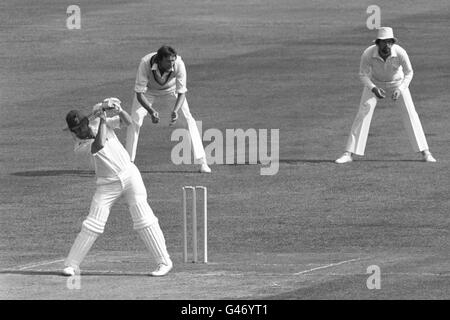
(224, 154)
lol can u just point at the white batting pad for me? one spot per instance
(142, 215)
(80, 247)
(155, 243)
(97, 218)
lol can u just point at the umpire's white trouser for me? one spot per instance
(131, 186)
(357, 139)
(163, 103)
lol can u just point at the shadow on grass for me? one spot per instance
(83, 273)
(82, 173)
(387, 160)
(288, 161)
(91, 173)
(52, 173)
(296, 161)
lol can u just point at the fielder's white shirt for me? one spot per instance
(112, 159)
(150, 80)
(396, 71)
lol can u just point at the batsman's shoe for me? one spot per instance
(345, 158)
(70, 271)
(428, 157)
(205, 169)
(162, 269)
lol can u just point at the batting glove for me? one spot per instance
(112, 104)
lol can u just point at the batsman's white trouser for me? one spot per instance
(163, 103)
(131, 186)
(357, 139)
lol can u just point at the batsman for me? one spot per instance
(116, 176)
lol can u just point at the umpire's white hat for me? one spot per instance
(385, 33)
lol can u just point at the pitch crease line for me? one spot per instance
(39, 264)
(326, 266)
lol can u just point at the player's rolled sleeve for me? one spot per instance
(142, 77)
(180, 79)
(365, 71)
(407, 70)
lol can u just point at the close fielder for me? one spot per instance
(116, 176)
(161, 83)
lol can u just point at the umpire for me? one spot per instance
(385, 71)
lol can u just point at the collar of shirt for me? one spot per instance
(155, 68)
(376, 55)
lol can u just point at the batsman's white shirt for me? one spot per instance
(112, 159)
(396, 71)
(149, 79)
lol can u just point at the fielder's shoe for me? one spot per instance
(346, 157)
(205, 169)
(428, 157)
(70, 271)
(162, 269)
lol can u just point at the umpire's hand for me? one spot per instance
(174, 117)
(155, 117)
(379, 92)
(396, 94)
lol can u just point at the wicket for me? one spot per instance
(194, 224)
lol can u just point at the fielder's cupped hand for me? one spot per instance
(379, 92)
(396, 94)
(155, 117)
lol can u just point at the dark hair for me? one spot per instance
(75, 118)
(165, 51)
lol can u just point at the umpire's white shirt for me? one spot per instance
(396, 71)
(149, 79)
(112, 159)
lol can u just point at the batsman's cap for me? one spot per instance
(385, 33)
(74, 119)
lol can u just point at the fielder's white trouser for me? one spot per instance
(131, 186)
(357, 139)
(163, 103)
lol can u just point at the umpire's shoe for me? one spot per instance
(205, 169)
(345, 158)
(162, 269)
(70, 271)
(428, 157)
